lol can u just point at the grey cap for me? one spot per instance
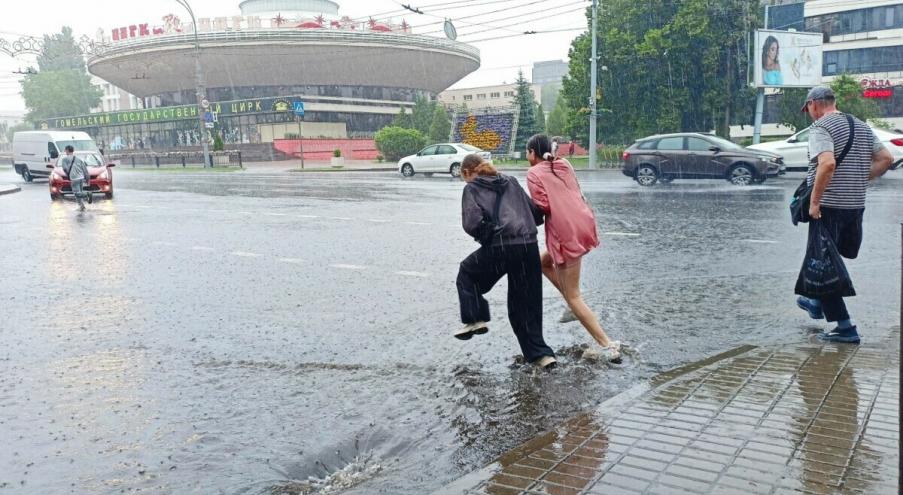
(818, 93)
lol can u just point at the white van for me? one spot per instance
(34, 150)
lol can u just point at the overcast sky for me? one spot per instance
(500, 58)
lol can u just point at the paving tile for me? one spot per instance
(493, 489)
(512, 481)
(583, 473)
(714, 467)
(747, 486)
(694, 486)
(586, 462)
(537, 462)
(523, 471)
(643, 463)
(614, 479)
(692, 473)
(546, 488)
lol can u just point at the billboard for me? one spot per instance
(787, 59)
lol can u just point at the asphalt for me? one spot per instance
(262, 331)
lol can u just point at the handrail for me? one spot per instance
(406, 40)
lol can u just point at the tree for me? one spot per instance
(11, 131)
(557, 121)
(402, 120)
(540, 118)
(422, 114)
(526, 104)
(440, 128)
(850, 99)
(61, 87)
(789, 103)
(394, 143)
(663, 67)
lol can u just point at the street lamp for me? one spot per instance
(199, 80)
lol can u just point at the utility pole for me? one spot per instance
(592, 90)
(199, 80)
(760, 100)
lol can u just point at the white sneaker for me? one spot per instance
(546, 362)
(567, 316)
(612, 353)
(468, 331)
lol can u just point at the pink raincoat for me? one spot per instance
(570, 223)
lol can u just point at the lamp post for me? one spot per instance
(199, 80)
(592, 92)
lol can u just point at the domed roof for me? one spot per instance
(258, 7)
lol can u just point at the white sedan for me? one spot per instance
(442, 158)
(795, 149)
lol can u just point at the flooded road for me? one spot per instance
(262, 333)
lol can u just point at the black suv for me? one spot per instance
(697, 156)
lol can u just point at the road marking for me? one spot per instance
(348, 267)
(622, 234)
(418, 223)
(413, 274)
(245, 254)
(277, 214)
(309, 216)
(338, 218)
(202, 248)
(377, 220)
(294, 261)
(760, 241)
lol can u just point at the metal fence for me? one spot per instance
(230, 158)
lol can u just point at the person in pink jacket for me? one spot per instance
(570, 234)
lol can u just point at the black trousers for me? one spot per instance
(480, 271)
(845, 229)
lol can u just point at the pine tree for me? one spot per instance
(441, 125)
(540, 118)
(526, 105)
(402, 120)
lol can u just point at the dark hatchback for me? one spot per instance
(697, 156)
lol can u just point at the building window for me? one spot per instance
(509, 94)
(468, 97)
(494, 95)
(453, 98)
(481, 96)
(857, 21)
(863, 60)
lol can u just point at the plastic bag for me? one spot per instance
(823, 272)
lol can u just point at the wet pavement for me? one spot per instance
(819, 419)
(254, 332)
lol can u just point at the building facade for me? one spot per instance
(351, 76)
(862, 38)
(484, 97)
(114, 99)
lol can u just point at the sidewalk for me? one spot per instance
(8, 189)
(810, 418)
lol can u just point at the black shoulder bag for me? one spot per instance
(490, 228)
(799, 205)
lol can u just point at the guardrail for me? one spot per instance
(185, 158)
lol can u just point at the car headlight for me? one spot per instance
(55, 176)
(104, 175)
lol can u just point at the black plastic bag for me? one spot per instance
(823, 272)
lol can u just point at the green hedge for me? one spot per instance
(394, 143)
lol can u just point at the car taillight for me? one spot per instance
(625, 156)
(897, 142)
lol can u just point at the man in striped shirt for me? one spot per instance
(838, 194)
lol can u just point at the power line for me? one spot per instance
(519, 23)
(534, 2)
(526, 33)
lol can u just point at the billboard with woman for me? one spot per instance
(787, 59)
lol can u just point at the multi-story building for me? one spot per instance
(114, 99)
(862, 38)
(484, 97)
(548, 74)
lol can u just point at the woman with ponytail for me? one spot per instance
(570, 234)
(498, 214)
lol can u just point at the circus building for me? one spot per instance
(352, 75)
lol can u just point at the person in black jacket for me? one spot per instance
(499, 214)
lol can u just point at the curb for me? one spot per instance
(9, 190)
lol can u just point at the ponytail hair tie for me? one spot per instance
(547, 156)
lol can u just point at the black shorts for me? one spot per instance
(845, 227)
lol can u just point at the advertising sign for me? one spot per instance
(787, 59)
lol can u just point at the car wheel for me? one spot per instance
(455, 170)
(896, 165)
(109, 195)
(407, 170)
(26, 175)
(646, 175)
(741, 175)
(54, 197)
